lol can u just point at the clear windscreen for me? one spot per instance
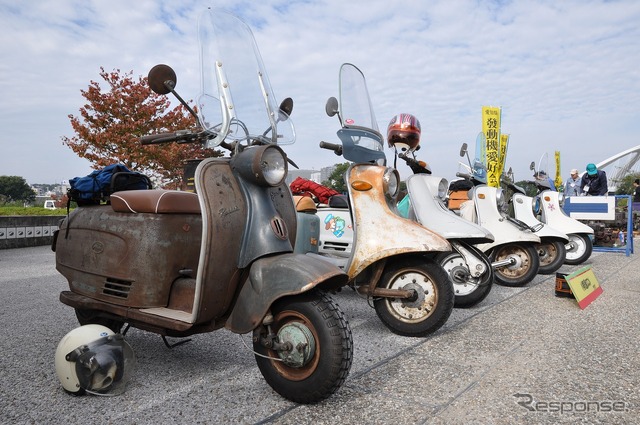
(236, 100)
(355, 104)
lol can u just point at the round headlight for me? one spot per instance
(391, 182)
(443, 189)
(500, 198)
(264, 165)
(272, 166)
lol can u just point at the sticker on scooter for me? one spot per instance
(335, 224)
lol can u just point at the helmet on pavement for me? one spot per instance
(93, 359)
(403, 132)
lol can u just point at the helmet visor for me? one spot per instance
(104, 366)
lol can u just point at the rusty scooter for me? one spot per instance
(181, 263)
(391, 259)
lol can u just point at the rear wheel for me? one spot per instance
(524, 269)
(313, 348)
(93, 317)
(552, 254)
(468, 290)
(432, 304)
(580, 250)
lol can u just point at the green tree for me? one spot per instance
(14, 188)
(336, 178)
(111, 121)
(625, 186)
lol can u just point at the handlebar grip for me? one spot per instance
(153, 139)
(332, 147)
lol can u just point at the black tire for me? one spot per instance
(523, 271)
(93, 317)
(581, 249)
(468, 291)
(328, 366)
(434, 302)
(552, 254)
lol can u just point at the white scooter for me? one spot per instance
(513, 254)
(468, 267)
(580, 244)
(551, 249)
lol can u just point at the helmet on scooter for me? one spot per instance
(403, 132)
(93, 359)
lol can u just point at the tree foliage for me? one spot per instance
(625, 186)
(336, 179)
(14, 188)
(109, 124)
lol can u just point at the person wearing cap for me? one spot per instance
(572, 185)
(594, 181)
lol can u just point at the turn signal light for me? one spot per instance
(360, 185)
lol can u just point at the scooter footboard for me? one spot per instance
(271, 278)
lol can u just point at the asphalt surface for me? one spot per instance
(521, 356)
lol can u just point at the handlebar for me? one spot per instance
(337, 149)
(464, 175)
(156, 139)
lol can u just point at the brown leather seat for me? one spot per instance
(155, 202)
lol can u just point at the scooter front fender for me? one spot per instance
(274, 277)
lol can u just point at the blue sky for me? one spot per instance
(566, 74)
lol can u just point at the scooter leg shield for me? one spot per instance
(271, 278)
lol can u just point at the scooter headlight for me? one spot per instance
(391, 182)
(500, 199)
(267, 166)
(443, 189)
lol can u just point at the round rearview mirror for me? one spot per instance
(287, 106)
(533, 165)
(162, 79)
(332, 106)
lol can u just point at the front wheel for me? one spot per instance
(311, 354)
(580, 248)
(431, 305)
(525, 264)
(468, 290)
(552, 254)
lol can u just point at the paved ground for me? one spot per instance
(521, 356)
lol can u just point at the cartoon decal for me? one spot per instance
(335, 224)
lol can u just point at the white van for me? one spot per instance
(50, 204)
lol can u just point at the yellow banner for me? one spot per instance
(502, 157)
(491, 130)
(558, 180)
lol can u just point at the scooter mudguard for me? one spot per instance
(376, 220)
(523, 211)
(555, 216)
(274, 277)
(489, 217)
(431, 212)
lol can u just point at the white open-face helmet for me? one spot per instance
(94, 359)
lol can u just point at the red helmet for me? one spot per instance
(404, 132)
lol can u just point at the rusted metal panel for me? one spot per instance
(128, 259)
(386, 234)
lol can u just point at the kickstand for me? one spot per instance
(184, 341)
(126, 329)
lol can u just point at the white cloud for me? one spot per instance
(565, 73)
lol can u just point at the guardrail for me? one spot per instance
(27, 230)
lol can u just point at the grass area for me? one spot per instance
(13, 210)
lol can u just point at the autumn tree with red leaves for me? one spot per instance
(109, 125)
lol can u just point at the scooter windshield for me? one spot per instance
(479, 165)
(236, 100)
(361, 140)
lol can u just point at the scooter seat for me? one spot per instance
(155, 202)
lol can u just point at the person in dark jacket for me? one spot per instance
(594, 182)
